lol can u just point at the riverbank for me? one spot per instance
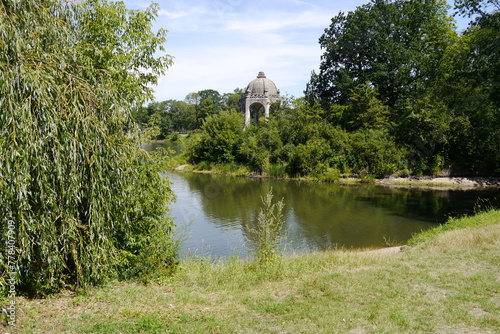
(412, 182)
(446, 281)
(434, 182)
(456, 182)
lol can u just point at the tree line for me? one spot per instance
(398, 91)
(159, 119)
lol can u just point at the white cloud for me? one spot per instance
(174, 15)
(230, 66)
(223, 44)
(229, 53)
(278, 21)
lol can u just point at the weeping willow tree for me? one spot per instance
(80, 198)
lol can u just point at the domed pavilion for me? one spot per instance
(260, 93)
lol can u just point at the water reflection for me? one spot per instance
(223, 210)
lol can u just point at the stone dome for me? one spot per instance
(262, 86)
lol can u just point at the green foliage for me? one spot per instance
(232, 101)
(299, 144)
(188, 115)
(398, 91)
(365, 110)
(206, 108)
(204, 165)
(120, 41)
(218, 139)
(267, 234)
(183, 116)
(366, 178)
(427, 128)
(155, 120)
(329, 175)
(309, 158)
(231, 168)
(269, 137)
(462, 107)
(153, 129)
(395, 45)
(277, 170)
(261, 146)
(174, 137)
(399, 66)
(375, 153)
(74, 180)
(213, 95)
(254, 154)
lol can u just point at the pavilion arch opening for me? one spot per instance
(257, 114)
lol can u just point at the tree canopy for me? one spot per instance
(435, 91)
(395, 45)
(163, 118)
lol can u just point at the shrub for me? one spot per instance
(205, 165)
(286, 152)
(270, 139)
(218, 139)
(267, 234)
(329, 175)
(374, 152)
(309, 158)
(174, 137)
(253, 154)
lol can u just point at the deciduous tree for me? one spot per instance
(396, 45)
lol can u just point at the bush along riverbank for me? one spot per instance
(333, 176)
(445, 281)
(308, 150)
(298, 144)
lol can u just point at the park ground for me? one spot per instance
(446, 280)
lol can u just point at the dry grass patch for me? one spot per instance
(466, 238)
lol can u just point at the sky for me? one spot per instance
(223, 44)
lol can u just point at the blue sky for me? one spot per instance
(223, 44)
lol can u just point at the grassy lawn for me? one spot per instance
(447, 281)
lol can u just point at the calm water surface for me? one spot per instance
(216, 213)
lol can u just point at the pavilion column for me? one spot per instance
(247, 115)
(267, 107)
